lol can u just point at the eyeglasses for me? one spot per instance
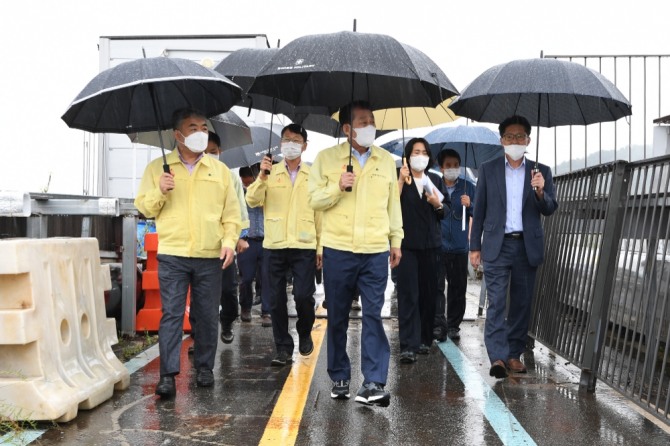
(297, 141)
(508, 137)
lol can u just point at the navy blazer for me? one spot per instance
(420, 221)
(490, 213)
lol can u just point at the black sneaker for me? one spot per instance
(340, 390)
(204, 378)
(439, 334)
(407, 357)
(423, 349)
(373, 393)
(227, 334)
(305, 345)
(282, 359)
(453, 334)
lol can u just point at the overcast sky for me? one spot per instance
(49, 50)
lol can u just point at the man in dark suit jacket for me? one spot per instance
(507, 235)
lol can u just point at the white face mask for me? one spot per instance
(291, 150)
(451, 174)
(365, 136)
(196, 142)
(515, 151)
(213, 155)
(418, 162)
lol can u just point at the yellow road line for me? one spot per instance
(283, 425)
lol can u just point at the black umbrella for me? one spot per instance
(547, 92)
(141, 95)
(232, 130)
(243, 65)
(333, 70)
(262, 138)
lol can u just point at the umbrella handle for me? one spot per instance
(269, 155)
(408, 180)
(166, 168)
(350, 169)
(535, 170)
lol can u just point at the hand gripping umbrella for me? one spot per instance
(474, 144)
(333, 70)
(141, 95)
(232, 130)
(547, 92)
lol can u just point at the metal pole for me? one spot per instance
(604, 281)
(129, 271)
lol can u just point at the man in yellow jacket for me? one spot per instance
(362, 224)
(291, 240)
(198, 223)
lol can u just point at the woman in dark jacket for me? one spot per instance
(421, 204)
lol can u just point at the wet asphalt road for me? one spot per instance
(446, 398)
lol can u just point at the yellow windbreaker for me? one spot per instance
(367, 219)
(199, 216)
(289, 221)
(239, 191)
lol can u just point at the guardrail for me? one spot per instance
(602, 295)
(113, 221)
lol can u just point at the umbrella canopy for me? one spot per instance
(547, 92)
(232, 130)
(413, 117)
(141, 95)
(332, 70)
(474, 144)
(396, 146)
(243, 65)
(249, 154)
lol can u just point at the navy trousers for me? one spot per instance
(250, 262)
(452, 269)
(302, 265)
(175, 275)
(416, 297)
(342, 272)
(506, 338)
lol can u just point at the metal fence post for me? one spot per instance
(604, 280)
(129, 272)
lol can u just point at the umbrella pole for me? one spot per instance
(154, 102)
(537, 138)
(272, 116)
(350, 167)
(465, 171)
(408, 180)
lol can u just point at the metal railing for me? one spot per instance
(602, 296)
(640, 77)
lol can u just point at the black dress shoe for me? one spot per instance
(204, 378)
(165, 387)
(306, 345)
(498, 369)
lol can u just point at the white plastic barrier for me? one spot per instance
(55, 338)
